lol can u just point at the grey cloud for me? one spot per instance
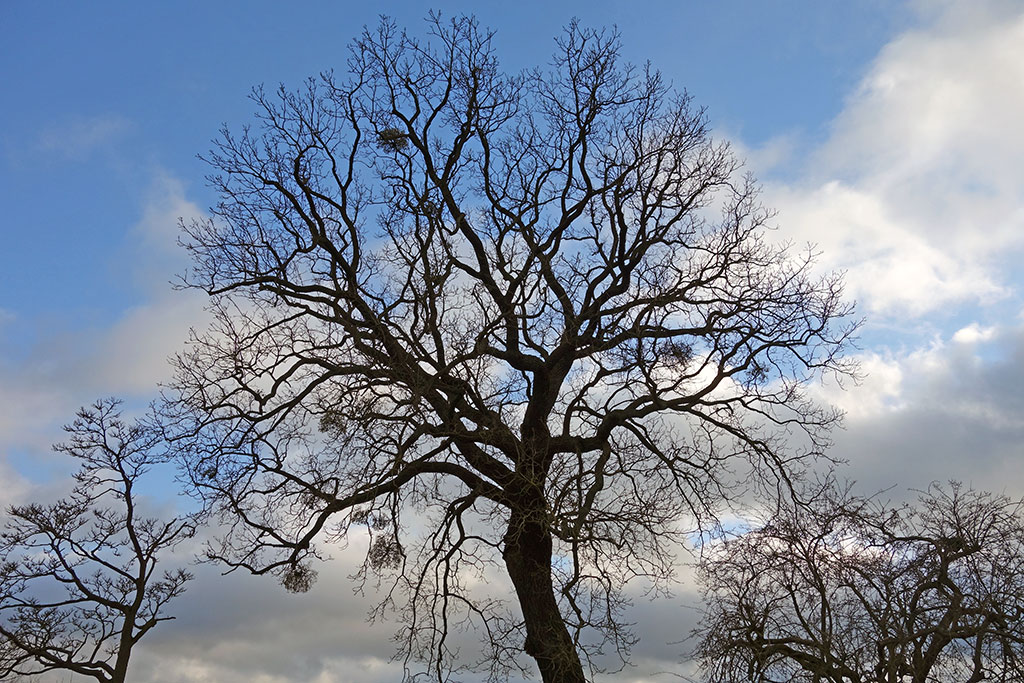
(239, 627)
(961, 417)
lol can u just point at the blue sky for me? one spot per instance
(110, 95)
(887, 133)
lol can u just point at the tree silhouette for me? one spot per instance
(513, 327)
(849, 590)
(78, 580)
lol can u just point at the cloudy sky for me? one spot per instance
(887, 134)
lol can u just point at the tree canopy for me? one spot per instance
(80, 579)
(853, 590)
(508, 325)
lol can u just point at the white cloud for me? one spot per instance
(42, 387)
(158, 230)
(878, 391)
(890, 267)
(917, 193)
(973, 334)
(76, 138)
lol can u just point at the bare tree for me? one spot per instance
(78, 579)
(507, 325)
(848, 590)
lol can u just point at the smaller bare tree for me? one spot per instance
(78, 578)
(849, 590)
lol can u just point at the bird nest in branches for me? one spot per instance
(392, 139)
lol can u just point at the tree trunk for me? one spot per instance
(124, 650)
(527, 557)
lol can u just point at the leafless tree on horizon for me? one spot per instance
(853, 590)
(522, 325)
(79, 578)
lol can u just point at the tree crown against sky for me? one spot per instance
(528, 322)
(856, 590)
(80, 579)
